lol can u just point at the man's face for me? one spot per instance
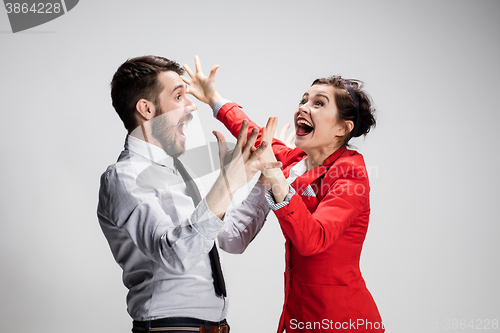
(172, 113)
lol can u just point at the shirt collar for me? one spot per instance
(149, 151)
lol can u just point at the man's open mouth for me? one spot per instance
(304, 127)
(183, 124)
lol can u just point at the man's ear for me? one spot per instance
(146, 109)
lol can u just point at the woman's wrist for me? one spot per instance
(279, 186)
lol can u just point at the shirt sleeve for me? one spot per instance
(245, 222)
(156, 228)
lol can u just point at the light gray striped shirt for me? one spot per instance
(161, 241)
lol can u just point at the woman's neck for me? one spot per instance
(316, 158)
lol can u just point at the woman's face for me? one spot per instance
(316, 121)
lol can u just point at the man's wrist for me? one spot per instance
(213, 99)
(219, 197)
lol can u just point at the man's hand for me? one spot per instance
(239, 165)
(200, 86)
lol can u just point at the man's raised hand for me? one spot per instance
(201, 86)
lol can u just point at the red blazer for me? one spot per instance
(324, 289)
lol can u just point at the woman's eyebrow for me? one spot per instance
(325, 96)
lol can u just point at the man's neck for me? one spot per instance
(142, 133)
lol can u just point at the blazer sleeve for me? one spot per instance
(313, 233)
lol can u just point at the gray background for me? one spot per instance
(431, 254)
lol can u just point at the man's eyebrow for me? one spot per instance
(179, 86)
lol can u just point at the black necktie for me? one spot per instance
(194, 193)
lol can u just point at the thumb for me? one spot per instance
(212, 72)
(221, 141)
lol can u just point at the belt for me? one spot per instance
(221, 328)
(181, 324)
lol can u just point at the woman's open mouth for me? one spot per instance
(304, 127)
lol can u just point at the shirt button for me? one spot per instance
(205, 252)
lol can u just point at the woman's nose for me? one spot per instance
(304, 108)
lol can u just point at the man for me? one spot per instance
(159, 228)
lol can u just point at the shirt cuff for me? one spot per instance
(220, 103)
(205, 222)
(272, 202)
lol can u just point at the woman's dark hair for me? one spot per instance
(137, 78)
(347, 107)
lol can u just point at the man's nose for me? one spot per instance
(190, 106)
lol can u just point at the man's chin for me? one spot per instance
(176, 150)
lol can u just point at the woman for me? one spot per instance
(321, 200)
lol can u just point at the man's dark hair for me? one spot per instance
(135, 79)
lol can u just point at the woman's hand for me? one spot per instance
(279, 184)
(201, 86)
(239, 165)
(287, 140)
(268, 154)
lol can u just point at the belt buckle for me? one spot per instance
(222, 328)
(217, 329)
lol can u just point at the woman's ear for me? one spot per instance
(345, 128)
(145, 108)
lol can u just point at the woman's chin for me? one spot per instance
(299, 143)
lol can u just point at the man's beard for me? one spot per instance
(165, 132)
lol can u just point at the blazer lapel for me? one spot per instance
(309, 185)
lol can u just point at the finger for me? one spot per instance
(242, 135)
(290, 137)
(212, 72)
(283, 131)
(266, 134)
(221, 141)
(269, 125)
(259, 151)
(247, 150)
(186, 80)
(273, 125)
(263, 134)
(189, 70)
(197, 63)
